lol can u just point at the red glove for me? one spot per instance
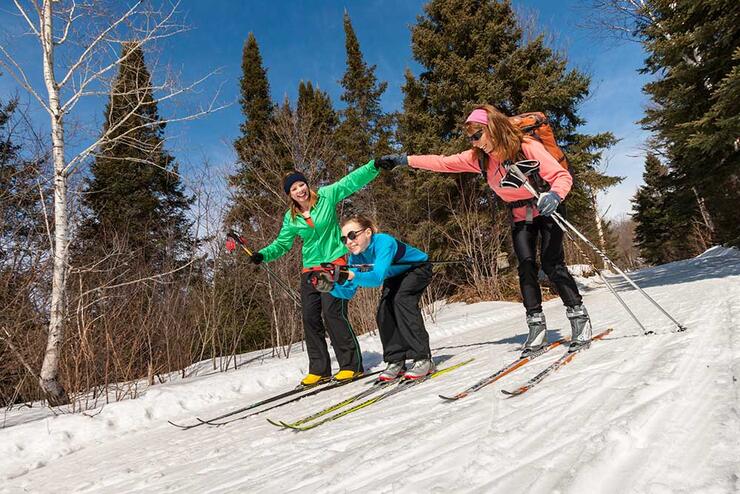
(338, 273)
(230, 245)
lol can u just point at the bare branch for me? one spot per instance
(84, 154)
(95, 42)
(70, 19)
(25, 16)
(20, 77)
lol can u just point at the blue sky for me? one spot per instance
(304, 40)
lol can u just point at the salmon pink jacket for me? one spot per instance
(558, 177)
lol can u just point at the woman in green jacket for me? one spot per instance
(312, 216)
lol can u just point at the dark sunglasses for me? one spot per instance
(351, 235)
(476, 136)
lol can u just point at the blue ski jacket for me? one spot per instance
(386, 254)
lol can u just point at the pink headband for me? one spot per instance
(478, 115)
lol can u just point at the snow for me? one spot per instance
(634, 414)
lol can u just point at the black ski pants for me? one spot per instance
(343, 340)
(400, 323)
(525, 236)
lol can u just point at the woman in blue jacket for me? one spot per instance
(403, 272)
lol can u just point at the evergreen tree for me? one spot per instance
(23, 252)
(255, 98)
(317, 121)
(693, 51)
(257, 108)
(134, 195)
(661, 232)
(365, 131)
(474, 52)
(21, 208)
(315, 105)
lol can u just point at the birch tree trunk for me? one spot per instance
(599, 226)
(49, 375)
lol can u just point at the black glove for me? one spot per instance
(321, 280)
(256, 258)
(390, 161)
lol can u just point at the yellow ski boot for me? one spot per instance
(314, 379)
(347, 375)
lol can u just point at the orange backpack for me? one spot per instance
(535, 124)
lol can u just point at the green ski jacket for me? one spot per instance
(320, 243)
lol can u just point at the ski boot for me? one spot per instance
(537, 337)
(580, 327)
(421, 368)
(347, 375)
(314, 379)
(392, 371)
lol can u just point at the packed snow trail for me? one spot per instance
(634, 413)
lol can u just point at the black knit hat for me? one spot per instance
(294, 177)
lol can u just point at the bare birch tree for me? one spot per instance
(80, 42)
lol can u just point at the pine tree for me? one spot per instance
(257, 108)
(661, 234)
(23, 249)
(21, 208)
(365, 131)
(135, 198)
(475, 52)
(315, 105)
(255, 99)
(693, 52)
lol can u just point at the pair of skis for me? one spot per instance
(508, 369)
(385, 390)
(297, 393)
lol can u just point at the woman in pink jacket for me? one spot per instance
(495, 143)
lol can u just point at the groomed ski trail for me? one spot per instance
(647, 414)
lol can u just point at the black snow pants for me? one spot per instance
(552, 257)
(343, 339)
(400, 323)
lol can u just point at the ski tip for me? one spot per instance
(276, 423)
(448, 398)
(511, 394)
(291, 427)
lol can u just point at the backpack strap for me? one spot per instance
(483, 165)
(400, 252)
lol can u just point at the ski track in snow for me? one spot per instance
(633, 414)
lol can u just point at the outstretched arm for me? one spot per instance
(456, 163)
(282, 244)
(351, 183)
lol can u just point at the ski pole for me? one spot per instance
(515, 169)
(290, 291)
(645, 331)
(369, 267)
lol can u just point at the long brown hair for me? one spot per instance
(295, 208)
(505, 136)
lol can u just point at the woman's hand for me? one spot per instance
(548, 203)
(390, 161)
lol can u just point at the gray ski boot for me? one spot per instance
(421, 368)
(392, 371)
(537, 337)
(580, 327)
